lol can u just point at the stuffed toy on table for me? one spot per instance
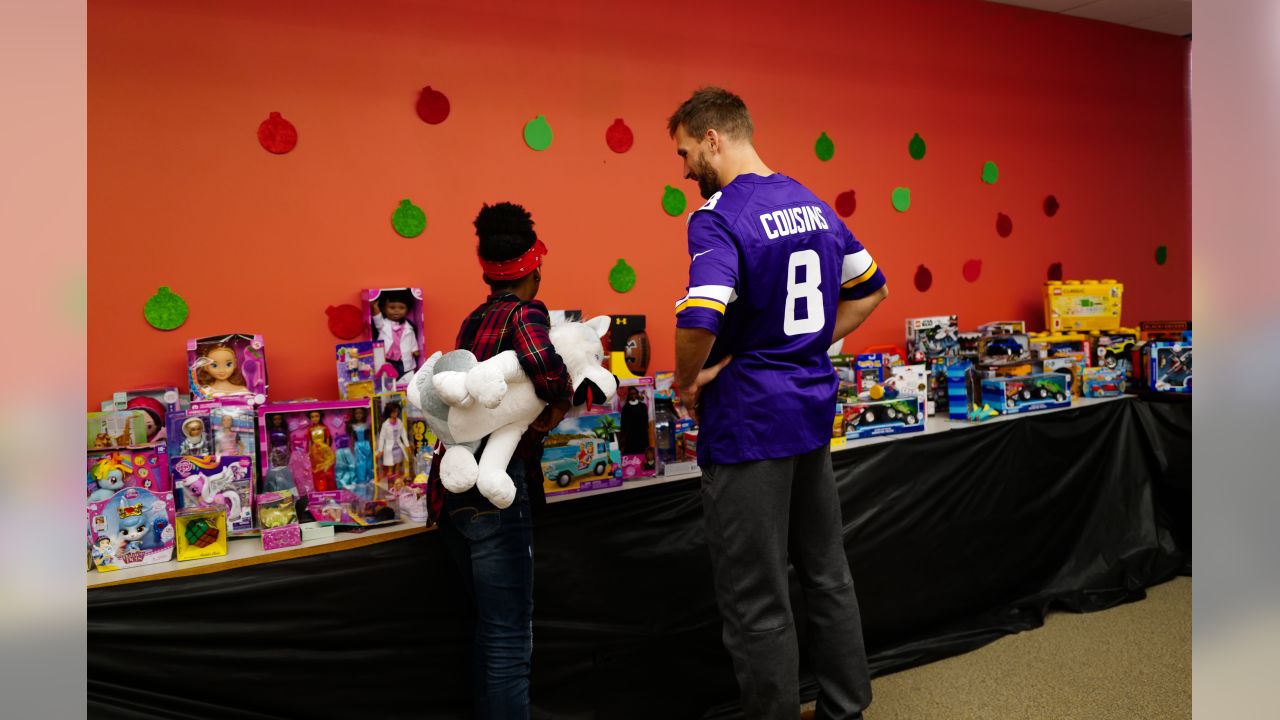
(465, 401)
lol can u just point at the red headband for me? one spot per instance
(515, 268)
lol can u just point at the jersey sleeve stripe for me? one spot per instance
(701, 303)
(855, 265)
(719, 293)
(861, 278)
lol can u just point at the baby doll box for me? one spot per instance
(228, 365)
(134, 527)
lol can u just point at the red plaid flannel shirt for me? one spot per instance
(505, 322)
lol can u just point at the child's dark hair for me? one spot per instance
(506, 232)
(400, 296)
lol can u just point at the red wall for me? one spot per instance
(181, 194)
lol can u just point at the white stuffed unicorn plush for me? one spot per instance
(465, 401)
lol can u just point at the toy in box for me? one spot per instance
(1170, 367)
(869, 371)
(356, 364)
(1054, 345)
(1069, 366)
(1043, 391)
(627, 346)
(156, 402)
(1003, 327)
(223, 483)
(969, 342)
(278, 518)
(116, 429)
(307, 437)
(932, 337)
(1102, 382)
(131, 528)
(1082, 305)
(1163, 330)
(393, 453)
(232, 365)
(111, 471)
(963, 390)
(582, 453)
(1004, 349)
(232, 425)
(871, 418)
(396, 322)
(188, 435)
(636, 417)
(201, 534)
(423, 442)
(902, 380)
(1115, 350)
(342, 507)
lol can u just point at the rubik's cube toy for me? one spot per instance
(202, 535)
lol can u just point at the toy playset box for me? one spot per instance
(396, 320)
(933, 337)
(232, 365)
(343, 507)
(1117, 350)
(636, 418)
(116, 429)
(1029, 393)
(110, 471)
(131, 528)
(1170, 366)
(392, 449)
(301, 443)
(157, 402)
(356, 364)
(201, 534)
(872, 418)
(423, 442)
(1102, 382)
(278, 516)
(583, 453)
(205, 482)
(1082, 305)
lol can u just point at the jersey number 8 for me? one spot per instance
(815, 317)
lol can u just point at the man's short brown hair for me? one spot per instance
(712, 107)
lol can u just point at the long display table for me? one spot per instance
(955, 538)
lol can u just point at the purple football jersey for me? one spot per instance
(769, 262)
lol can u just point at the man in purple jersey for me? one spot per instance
(774, 278)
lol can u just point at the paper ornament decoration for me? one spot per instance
(1051, 206)
(345, 321)
(846, 203)
(277, 135)
(165, 310)
(1055, 271)
(923, 279)
(901, 199)
(824, 147)
(537, 133)
(1004, 225)
(1162, 254)
(618, 136)
(408, 219)
(990, 173)
(916, 147)
(622, 277)
(972, 270)
(433, 106)
(673, 201)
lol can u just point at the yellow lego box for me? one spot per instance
(1082, 305)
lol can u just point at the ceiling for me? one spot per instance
(1165, 16)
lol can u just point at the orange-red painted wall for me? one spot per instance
(181, 194)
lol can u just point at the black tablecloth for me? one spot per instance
(955, 539)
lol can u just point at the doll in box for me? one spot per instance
(320, 452)
(194, 437)
(278, 476)
(395, 330)
(358, 429)
(217, 371)
(393, 443)
(227, 439)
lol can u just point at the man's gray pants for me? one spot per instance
(759, 515)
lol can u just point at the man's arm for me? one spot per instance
(693, 347)
(851, 313)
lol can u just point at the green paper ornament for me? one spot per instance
(901, 199)
(824, 147)
(673, 201)
(537, 133)
(990, 173)
(165, 310)
(622, 277)
(408, 219)
(916, 147)
(1162, 254)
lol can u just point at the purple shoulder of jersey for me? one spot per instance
(769, 263)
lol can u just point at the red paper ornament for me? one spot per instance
(277, 135)
(433, 106)
(924, 279)
(618, 136)
(846, 203)
(1051, 206)
(972, 270)
(1004, 225)
(345, 321)
(1055, 271)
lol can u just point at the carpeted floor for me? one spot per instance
(1132, 662)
